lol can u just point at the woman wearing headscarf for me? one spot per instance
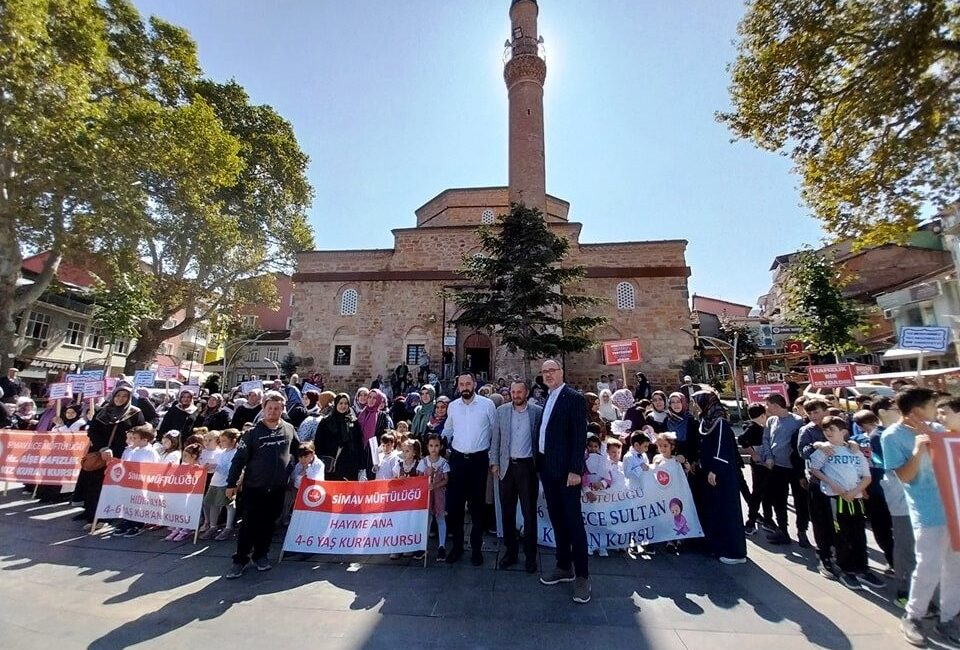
(25, 417)
(418, 426)
(317, 404)
(684, 426)
(215, 417)
(373, 422)
(181, 417)
(107, 431)
(657, 417)
(643, 390)
(608, 410)
(68, 420)
(439, 417)
(339, 440)
(398, 411)
(71, 420)
(721, 515)
(360, 400)
(593, 412)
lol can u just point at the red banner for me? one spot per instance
(759, 392)
(153, 493)
(625, 351)
(946, 465)
(359, 517)
(833, 376)
(44, 458)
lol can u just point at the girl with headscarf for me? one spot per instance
(608, 410)
(721, 514)
(684, 426)
(71, 420)
(418, 426)
(25, 417)
(657, 417)
(182, 416)
(339, 440)
(108, 431)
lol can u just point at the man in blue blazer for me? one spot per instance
(560, 442)
(512, 461)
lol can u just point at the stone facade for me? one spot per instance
(360, 313)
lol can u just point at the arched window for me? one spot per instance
(626, 299)
(487, 217)
(348, 302)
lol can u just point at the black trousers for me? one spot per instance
(781, 481)
(821, 516)
(563, 506)
(760, 495)
(851, 539)
(467, 485)
(520, 483)
(881, 523)
(260, 509)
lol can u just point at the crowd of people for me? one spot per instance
(842, 471)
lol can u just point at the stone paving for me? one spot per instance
(61, 588)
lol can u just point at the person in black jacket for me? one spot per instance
(247, 412)
(264, 457)
(216, 418)
(182, 417)
(107, 433)
(559, 446)
(143, 402)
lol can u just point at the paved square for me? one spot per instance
(64, 589)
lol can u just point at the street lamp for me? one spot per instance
(275, 365)
(732, 364)
(243, 344)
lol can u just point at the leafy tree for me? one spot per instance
(747, 348)
(122, 300)
(96, 132)
(828, 322)
(289, 364)
(863, 96)
(517, 288)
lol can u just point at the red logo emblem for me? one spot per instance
(663, 477)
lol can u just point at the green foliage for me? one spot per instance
(747, 349)
(289, 364)
(123, 301)
(828, 322)
(863, 95)
(517, 288)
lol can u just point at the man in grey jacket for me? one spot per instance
(512, 460)
(779, 454)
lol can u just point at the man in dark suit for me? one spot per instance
(511, 460)
(560, 442)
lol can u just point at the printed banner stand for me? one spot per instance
(360, 517)
(41, 458)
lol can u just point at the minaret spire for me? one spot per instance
(524, 74)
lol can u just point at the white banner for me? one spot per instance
(359, 517)
(153, 493)
(660, 509)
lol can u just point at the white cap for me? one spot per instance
(687, 378)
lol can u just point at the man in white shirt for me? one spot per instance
(471, 422)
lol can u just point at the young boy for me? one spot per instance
(139, 450)
(906, 450)
(618, 480)
(844, 476)
(389, 465)
(877, 512)
(635, 461)
(751, 441)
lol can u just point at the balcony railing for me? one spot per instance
(66, 302)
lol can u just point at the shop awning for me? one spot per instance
(896, 354)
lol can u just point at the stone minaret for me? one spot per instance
(524, 74)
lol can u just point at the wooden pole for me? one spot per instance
(93, 526)
(623, 369)
(196, 534)
(280, 559)
(35, 488)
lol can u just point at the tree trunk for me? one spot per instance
(143, 354)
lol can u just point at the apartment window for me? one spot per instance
(291, 300)
(75, 334)
(341, 355)
(413, 354)
(166, 348)
(348, 302)
(290, 323)
(273, 354)
(249, 321)
(121, 346)
(38, 326)
(17, 320)
(95, 340)
(253, 354)
(626, 297)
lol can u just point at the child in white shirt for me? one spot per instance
(308, 466)
(215, 498)
(635, 461)
(437, 468)
(139, 450)
(168, 447)
(211, 452)
(389, 464)
(191, 456)
(618, 478)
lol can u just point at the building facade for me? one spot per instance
(360, 313)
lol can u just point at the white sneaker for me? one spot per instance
(733, 560)
(603, 553)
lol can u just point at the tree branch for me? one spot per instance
(50, 266)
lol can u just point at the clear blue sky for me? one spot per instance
(396, 101)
